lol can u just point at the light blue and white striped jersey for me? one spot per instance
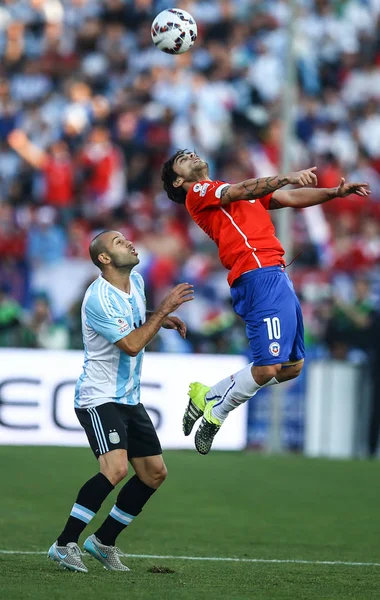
(108, 315)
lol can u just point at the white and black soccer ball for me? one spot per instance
(174, 31)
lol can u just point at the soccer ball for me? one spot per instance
(174, 31)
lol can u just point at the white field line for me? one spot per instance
(226, 559)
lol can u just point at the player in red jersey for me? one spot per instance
(236, 218)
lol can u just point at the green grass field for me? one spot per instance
(224, 505)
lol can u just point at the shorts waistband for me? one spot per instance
(257, 273)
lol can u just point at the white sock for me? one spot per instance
(238, 388)
(218, 390)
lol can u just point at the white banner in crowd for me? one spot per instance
(37, 397)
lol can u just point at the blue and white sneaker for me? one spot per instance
(68, 557)
(107, 555)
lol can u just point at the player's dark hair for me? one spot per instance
(97, 246)
(168, 175)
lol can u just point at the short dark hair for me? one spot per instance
(97, 246)
(168, 175)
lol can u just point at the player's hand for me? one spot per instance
(302, 178)
(16, 139)
(345, 189)
(184, 292)
(175, 323)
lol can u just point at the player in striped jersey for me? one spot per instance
(236, 218)
(115, 331)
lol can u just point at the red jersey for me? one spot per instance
(59, 180)
(242, 230)
(104, 162)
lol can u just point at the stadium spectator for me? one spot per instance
(41, 331)
(47, 241)
(348, 326)
(57, 167)
(102, 170)
(10, 318)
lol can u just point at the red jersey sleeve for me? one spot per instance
(265, 201)
(204, 194)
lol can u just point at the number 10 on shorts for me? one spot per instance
(273, 327)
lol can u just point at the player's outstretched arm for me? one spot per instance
(251, 189)
(303, 198)
(31, 153)
(135, 341)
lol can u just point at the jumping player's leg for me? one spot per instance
(248, 379)
(252, 379)
(290, 370)
(273, 317)
(262, 376)
(201, 394)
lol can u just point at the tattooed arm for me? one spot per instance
(257, 188)
(310, 197)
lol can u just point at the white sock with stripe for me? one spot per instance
(216, 391)
(241, 387)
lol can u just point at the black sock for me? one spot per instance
(130, 501)
(88, 502)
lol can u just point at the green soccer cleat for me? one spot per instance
(196, 406)
(207, 430)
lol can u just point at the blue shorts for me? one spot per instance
(266, 301)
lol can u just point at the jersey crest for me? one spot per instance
(201, 188)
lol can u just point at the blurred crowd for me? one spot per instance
(89, 110)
